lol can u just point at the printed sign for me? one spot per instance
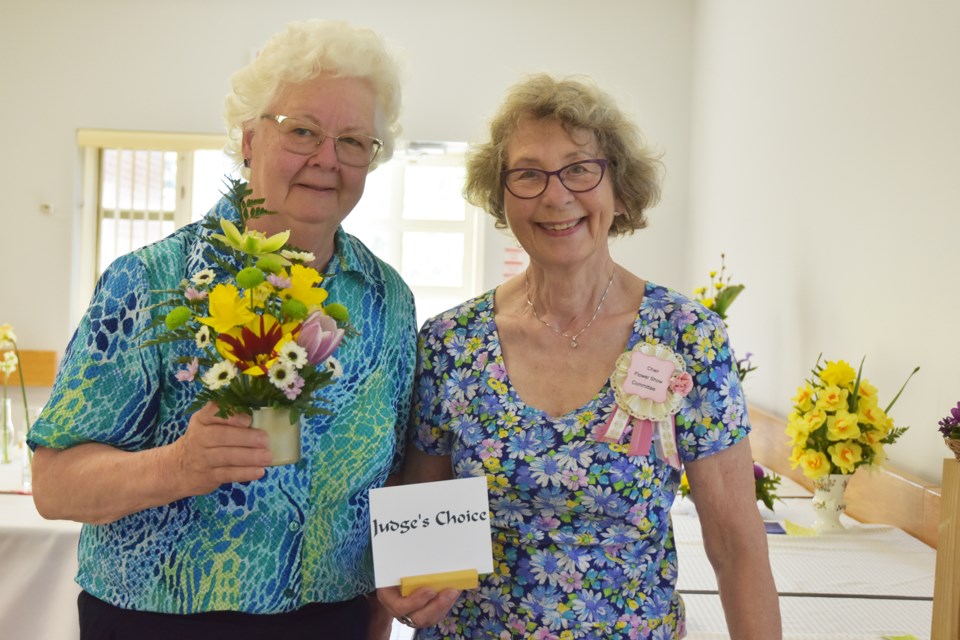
(432, 527)
(648, 377)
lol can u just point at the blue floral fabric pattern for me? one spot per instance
(298, 535)
(582, 539)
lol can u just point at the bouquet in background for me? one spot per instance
(264, 335)
(765, 485)
(950, 430)
(9, 361)
(837, 425)
(718, 296)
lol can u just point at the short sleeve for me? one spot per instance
(107, 388)
(430, 415)
(713, 415)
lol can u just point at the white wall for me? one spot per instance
(165, 66)
(825, 163)
(814, 142)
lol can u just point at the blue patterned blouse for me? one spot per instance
(298, 535)
(583, 544)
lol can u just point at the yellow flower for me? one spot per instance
(684, 483)
(871, 414)
(301, 288)
(831, 398)
(866, 394)
(838, 374)
(843, 426)
(846, 455)
(253, 243)
(871, 437)
(879, 457)
(227, 309)
(814, 464)
(804, 398)
(795, 456)
(7, 336)
(797, 429)
(815, 419)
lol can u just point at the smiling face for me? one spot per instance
(559, 227)
(311, 194)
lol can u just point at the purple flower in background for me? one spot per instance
(757, 471)
(320, 336)
(950, 426)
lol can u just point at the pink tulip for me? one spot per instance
(320, 337)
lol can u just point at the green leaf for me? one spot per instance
(890, 406)
(725, 298)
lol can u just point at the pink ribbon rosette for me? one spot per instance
(648, 382)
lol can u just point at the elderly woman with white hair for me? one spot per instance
(187, 532)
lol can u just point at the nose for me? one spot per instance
(325, 154)
(556, 192)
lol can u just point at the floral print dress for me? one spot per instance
(582, 539)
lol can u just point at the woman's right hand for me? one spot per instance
(216, 450)
(424, 607)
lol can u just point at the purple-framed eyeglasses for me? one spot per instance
(578, 177)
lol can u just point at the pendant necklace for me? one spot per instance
(573, 339)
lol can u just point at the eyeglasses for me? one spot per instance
(304, 137)
(577, 177)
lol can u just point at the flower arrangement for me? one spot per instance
(765, 485)
(718, 296)
(950, 429)
(9, 361)
(265, 336)
(950, 425)
(837, 425)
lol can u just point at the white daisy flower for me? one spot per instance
(333, 366)
(203, 337)
(294, 354)
(203, 277)
(282, 374)
(298, 256)
(219, 375)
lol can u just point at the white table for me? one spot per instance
(38, 563)
(861, 584)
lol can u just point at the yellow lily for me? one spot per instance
(254, 243)
(227, 309)
(301, 287)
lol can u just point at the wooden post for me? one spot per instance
(946, 586)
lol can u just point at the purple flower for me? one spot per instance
(320, 336)
(950, 426)
(757, 471)
(293, 389)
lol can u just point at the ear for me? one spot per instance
(618, 206)
(247, 143)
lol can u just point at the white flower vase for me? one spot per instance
(284, 434)
(8, 435)
(829, 502)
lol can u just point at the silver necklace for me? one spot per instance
(573, 339)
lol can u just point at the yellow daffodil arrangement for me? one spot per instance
(837, 425)
(9, 361)
(265, 337)
(718, 296)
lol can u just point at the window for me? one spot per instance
(138, 187)
(414, 217)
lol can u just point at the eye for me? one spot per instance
(525, 175)
(579, 169)
(303, 132)
(351, 141)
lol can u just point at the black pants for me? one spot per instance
(338, 621)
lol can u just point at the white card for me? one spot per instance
(432, 527)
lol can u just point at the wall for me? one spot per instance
(814, 142)
(165, 66)
(825, 165)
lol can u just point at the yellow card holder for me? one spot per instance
(465, 579)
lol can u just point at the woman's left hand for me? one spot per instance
(422, 608)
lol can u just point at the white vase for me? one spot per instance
(829, 502)
(284, 435)
(8, 435)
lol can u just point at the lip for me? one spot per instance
(315, 187)
(561, 227)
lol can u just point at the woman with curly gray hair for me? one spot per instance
(188, 530)
(581, 391)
